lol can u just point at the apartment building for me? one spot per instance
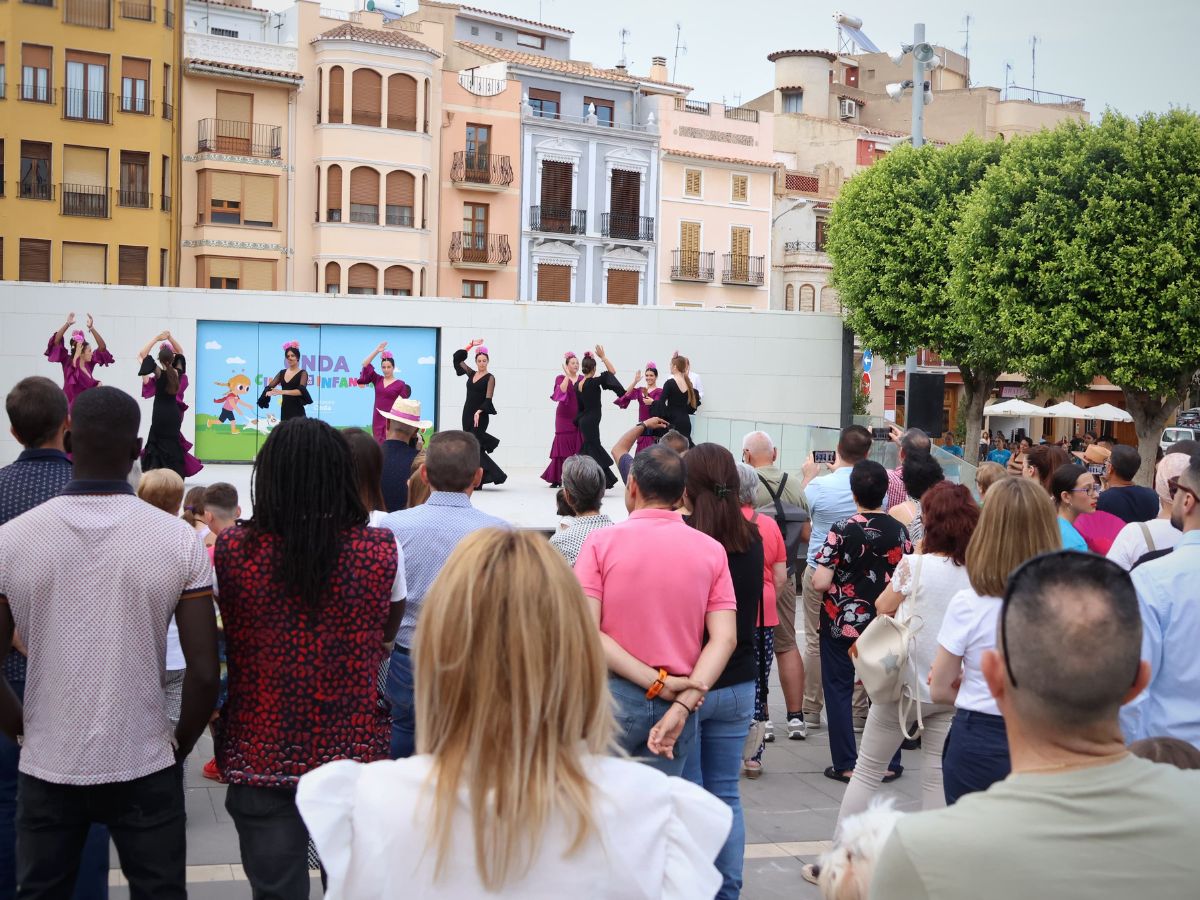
(718, 173)
(238, 130)
(88, 141)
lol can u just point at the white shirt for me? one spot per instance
(1130, 542)
(697, 383)
(655, 837)
(969, 629)
(927, 582)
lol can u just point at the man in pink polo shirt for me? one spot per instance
(656, 586)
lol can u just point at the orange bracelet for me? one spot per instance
(655, 689)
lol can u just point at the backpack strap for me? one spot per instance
(1150, 548)
(776, 496)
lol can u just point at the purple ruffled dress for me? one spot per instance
(76, 379)
(645, 400)
(385, 396)
(567, 439)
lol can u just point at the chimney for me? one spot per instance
(658, 69)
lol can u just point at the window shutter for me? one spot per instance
(337, 93)
(539, 94)
(258, 275)
(397, 278)
(36, 150)
(807, 297)
(626, 195)
(85, 165)
(689, 239)
(692, 183)
(333, 188)
(741, 188)
(366, 87)
(135, 68)
(333, 275)
(131, 265)
(401, 188)
(622, 287)
(364, 186)
(84, 262)
(362, 276)
(35, 56)
(224, 267)
(739, 242)
(554, 283)
(789, 298)
(259, 198)
(556, 186)
(225, 186)
(34, 260)
(234, 107)
(402, 102)
(135, 171)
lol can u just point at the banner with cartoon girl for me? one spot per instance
(236, 361)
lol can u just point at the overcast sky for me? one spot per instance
(1134, 57)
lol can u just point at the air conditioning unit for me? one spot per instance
(847, 109)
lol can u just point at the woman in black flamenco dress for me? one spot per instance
(679, 399)
(590, 387)
(478, 408)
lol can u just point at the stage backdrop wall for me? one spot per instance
(763, 366)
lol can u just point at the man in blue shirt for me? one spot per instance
(1169, 597)
(1122, 498)
(428, 535)
(829, 500)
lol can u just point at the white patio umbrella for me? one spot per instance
(1066, 410)
(1014, 408)
(1108, 413)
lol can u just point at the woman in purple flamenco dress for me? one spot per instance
(645, 397)
(387, 387)
(77, 359)
(567, 439)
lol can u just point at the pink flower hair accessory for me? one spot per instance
(651, 366)
(387, 354)
(482, 351)
(587, 354)
(569, 355)
(292, 345)
(166, 345)
(78, 337)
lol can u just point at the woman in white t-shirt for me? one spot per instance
(1139, 538)
(919, 593)
(513, 793)
(1017, 523)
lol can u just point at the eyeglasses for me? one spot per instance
(1175, 487)
(1090, 489)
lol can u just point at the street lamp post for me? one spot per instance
(918, 93)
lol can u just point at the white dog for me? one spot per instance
(847, 869)
(262, 425)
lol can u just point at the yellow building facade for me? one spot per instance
(89, 141)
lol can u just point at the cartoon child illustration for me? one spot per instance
(237, 387)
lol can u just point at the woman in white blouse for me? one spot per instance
(512, 793)
(1017, 523)
(919, 593)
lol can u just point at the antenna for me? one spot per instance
(1033, 42)
(967, 35)
(624, 38)
(679, 45)
(1007, 78)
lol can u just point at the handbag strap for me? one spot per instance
(760, 639)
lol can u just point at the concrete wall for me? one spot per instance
(763, 366)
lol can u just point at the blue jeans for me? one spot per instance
(716, 766)
(636, 716)
(837, 680)
(975, 755)
(92, 881)
(404, 714)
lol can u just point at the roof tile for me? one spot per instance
(692, 154)
(387, 37)
(501, 15)
(565, 67)
(250, 70)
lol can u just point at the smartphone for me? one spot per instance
(881, 434)
(824, 457)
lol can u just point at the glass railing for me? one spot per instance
(795, 442)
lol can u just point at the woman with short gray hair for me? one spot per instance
(583, 486)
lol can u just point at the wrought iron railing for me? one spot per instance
(135, 199)
(239, 138)
(35, 190)
(165, 203)
(85, 200)
(476, 248)
(799, 246)
(627, 226)
(739, 269)
(49, 3)
(139, 105)
(557, 220)
(692, 265)
(700, 107)
(168, 111)
(87, 106)
(481, 87)
(364, 213)
(400, 216)
(142, 10)
(741, 114)
(481, 168)
(35, 93)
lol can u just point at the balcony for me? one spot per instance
(398, 216)
(133, 199)
(87, 106)
(556, 220)
(692, 265)
(33, 190)
(85, 200)
(279, 57)
(470, 250)
(485, 171)
(141, 10)
(739, 269)
(88, 13)
(35, 93)
(168, 111)
(699, 107)
(741, 114)
(239, 138)
(141, 106)
(165, 203)
(627, 226)
(803, 247)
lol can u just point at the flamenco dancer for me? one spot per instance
(290, 384)
(645, 397)
(478, 408)
(588, 418)
(566, 433)
(78, 360)
(387, 387)
(679, 400)
(166, 381)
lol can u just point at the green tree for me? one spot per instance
(1083, 247)
(889, 240)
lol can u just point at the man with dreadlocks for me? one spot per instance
(311, 599)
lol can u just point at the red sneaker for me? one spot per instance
(211, 771)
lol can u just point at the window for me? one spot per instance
(165, 186)
(164, 262)
(131, 265)
(35, 171)
(228, 273)
(366, 92)
(807, 298)
(400, 189)
(740, 192)
(333, 191)
(402, 102)
(479, 142)
(35, 73)
(34, 261)
(85, 182)
(500, 35)
(850, 76)
(84, 263)
(232, 198)
(364, 195)
(793, 101)
(531, 40)
(168, 110)
(474, 233)
(362, 278)
(337, 94)
(474, 290)
(604, 110)
(692, 183)
(789, 298)
(555, 211)
(822, 232)
(223, 32)
(625, 205)
(333, 278)
(90, 13)
(545, 103)
(3, 71)
(475, 30)
(553, 283)
(87, 87)
(622, 287)
(135, 180)
(135, 85)
(397, 281)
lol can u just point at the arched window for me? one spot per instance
(333, 278)
(333, 194)
(363, 278)
(364, 195)
(807, 298)
(789, 298)
(398, 281)
(400, 189)
(830, 302)
(366, 97)
(402, 102)
(337, 94)
(320, 94)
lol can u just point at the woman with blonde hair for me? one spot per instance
(418, 487)
(512, 793)
(1017, 523)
